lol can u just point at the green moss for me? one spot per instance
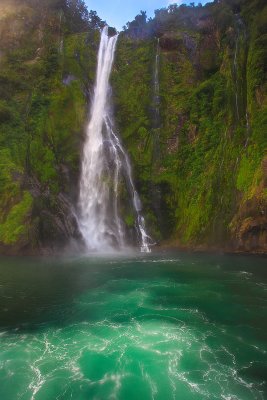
(207, 151)
(202, 161)
(15, 227)
(129, 220)
(246, 173)
(9, 187)
(47, 71)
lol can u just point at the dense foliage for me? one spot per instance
(201, 169)
(48, 57)
(205, 182)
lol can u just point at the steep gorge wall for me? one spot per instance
(46, 74)
(202, 172)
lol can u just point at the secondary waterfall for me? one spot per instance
(156, 87)
(155, 135)
(105, 165)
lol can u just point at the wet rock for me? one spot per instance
(170, 41)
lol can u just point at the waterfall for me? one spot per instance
(105, 165)
(240, 80)
(61, 36)
(156, 86)
(236, 76)
(240, 36)
(239, 66)
(156, 105)
(156, 155)
(247, 128)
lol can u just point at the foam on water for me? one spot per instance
(105, 167)
(150, 334)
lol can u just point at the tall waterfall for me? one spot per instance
(239, 65)
(105, 165)
(236, 77)
(156, 86)
(156, 107)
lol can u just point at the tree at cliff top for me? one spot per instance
(48, 54)
(207, 184)
(201, 172)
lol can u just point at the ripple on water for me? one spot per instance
(132, 338)
(161, 357)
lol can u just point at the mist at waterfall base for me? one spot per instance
(167, 326)
(105, 167)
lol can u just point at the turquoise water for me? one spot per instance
(166, 326)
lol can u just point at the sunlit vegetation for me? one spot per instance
(213, 136)
(202, 174)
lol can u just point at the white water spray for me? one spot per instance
(104, 165)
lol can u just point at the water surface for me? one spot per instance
(166, 326)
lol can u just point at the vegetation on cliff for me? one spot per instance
(205, 181)
(201, 169)
(48, 57)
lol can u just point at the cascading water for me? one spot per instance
(156, 106)
(240, 82)
(236, 81)
(104, 165)
(156, 154)
(156, 86)
(240, 39)
(247, 128)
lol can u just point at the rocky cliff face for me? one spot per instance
(47, 71)
(202, 172)
(200, 165)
